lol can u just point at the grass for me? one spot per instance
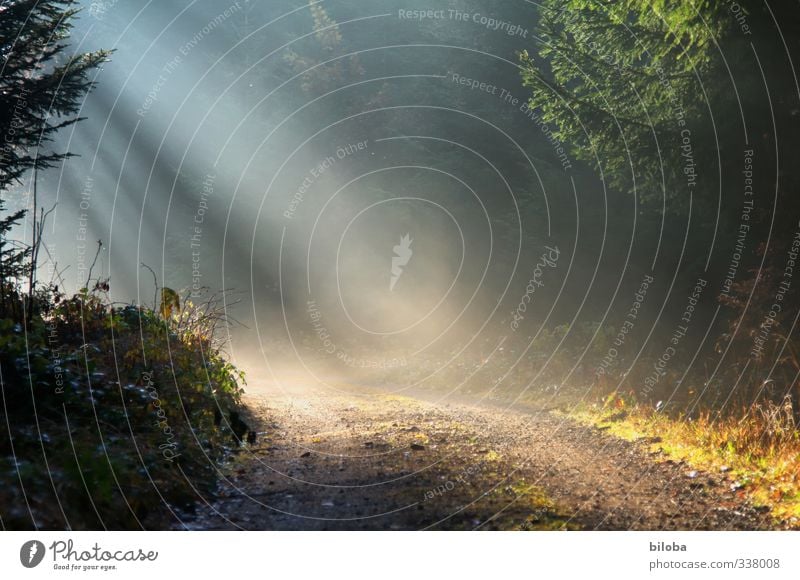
(759, 448)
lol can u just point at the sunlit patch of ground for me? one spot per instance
(759, 454)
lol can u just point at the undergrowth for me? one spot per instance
(112, 417)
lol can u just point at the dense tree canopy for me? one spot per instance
(627, 86)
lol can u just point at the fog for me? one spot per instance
(364, 185)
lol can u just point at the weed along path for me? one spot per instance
(353, 459)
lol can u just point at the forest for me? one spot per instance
(336, 265)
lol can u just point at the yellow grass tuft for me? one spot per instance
(759, 447)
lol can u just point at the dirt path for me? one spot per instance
(357, 459)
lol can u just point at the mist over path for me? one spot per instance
(354, 458)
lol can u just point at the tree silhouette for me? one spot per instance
(42, 85)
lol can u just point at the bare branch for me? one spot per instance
(99, 247)
(155, 282)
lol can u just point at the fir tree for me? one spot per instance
(42, 85)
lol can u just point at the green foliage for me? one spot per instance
(14, 264)
(622, 81)
(113, 412)
(41, 85)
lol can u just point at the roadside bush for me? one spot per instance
(113, 416)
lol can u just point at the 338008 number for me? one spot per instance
(758, 563)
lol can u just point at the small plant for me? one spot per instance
(114, 413)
